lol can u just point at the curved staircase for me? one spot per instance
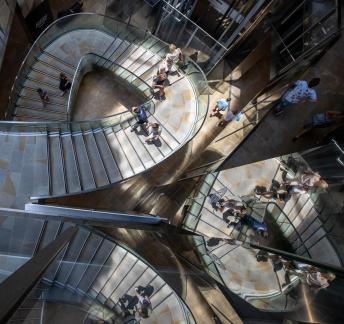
(46, 154)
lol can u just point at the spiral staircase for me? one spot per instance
(47, 154)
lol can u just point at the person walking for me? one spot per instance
(154, 132)
(65, 84)
(221, 105)
(299, 91)
(43, 95)
(176, 57)
(159, 83)
(141, 116)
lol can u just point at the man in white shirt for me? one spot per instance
(298, 92)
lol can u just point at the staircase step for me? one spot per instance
(168, 142)
(85, 259)
(122, 271)
(50, 274)
(51, 88)
(52, 68)
(124, 51)
(131, 153)
(140, 274)
(73, 252)
(60, 64)
(36, 103)
(99, 171)
(107, 270)
(57, 175)
(41, 171)
(87, 178)
(114, 46)
(43, 78)
(141, 148)
(122, 162)
(107, 157)
(55, 98)
(50, 233)
(99, 263)
(72, 174)
(153, 149)
(28, 114)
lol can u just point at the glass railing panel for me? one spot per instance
(113, 27)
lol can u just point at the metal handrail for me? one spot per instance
(194, 83)
(78, 72)
(69, 123)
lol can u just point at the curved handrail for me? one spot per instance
(115, 26)
(83, 68)
(86, 64)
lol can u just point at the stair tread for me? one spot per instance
(122, 162)
(56, 166)
(72, 174)
(95, 160)
(130, 152)
(87, 179)
(107, 157)
(140, 148)
(40, 172)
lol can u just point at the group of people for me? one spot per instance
(234, 213)
(153, 130)
(300, 184)
(136, 307)
(174, 58)
(64, 86)
(221, 106)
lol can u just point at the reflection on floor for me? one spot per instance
(101, 95)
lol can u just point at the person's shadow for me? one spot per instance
(157, 143)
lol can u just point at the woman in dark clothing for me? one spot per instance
(159, 83)
(43, 95)
(64, 84)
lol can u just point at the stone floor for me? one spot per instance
(101, 95)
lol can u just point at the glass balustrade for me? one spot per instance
(114, 28)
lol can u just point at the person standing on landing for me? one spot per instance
(65, 84)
